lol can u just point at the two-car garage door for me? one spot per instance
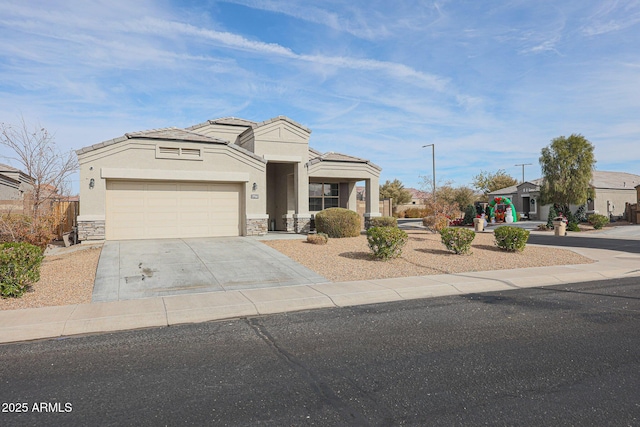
(158, 209)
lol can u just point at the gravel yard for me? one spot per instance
(67, 274)
(66, 277)
(424, 254)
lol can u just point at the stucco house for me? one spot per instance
(224, 177)
(612, 191)
(14, 185)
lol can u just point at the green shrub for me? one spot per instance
(457, 240)
(469, 214)
(317, 239)
(598, 221)
(384, 221)
(19, 268)
(511, 238)
(573, 226)
(435, 223)
(386, 242)
(338, 222)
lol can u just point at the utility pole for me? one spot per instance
(433, 156)
(523, 165)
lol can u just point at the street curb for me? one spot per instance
(60, 321)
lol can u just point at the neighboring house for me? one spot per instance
(417, 197)
(612, 191)
(14, 185)
(224, 177)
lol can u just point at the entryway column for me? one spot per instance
(372, 210)
(302, 217)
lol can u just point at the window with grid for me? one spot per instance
(323, 196)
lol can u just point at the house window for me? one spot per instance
(323, 196)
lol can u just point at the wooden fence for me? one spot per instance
(65, 213)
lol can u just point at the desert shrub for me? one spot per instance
(511, 238)
(469, 214)
(543, 227)
(398, 214)
(598, 221)
(384, 221)
(573, 226)
(386, 242)
(338, 222)
(318, 238)
(24, 228)
(19, 268)
(457, 240)
(435, 223)
(414, 213)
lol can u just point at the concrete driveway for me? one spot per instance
(134, 269)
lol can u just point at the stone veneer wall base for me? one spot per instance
(302, 225)
(257, 227)
(91, 230)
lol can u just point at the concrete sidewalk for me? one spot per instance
(51, 322)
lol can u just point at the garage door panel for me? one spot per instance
(161, 186)
(171, 210)
(162, 217)
(125, 185)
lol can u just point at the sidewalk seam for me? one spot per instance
(251, 301)
(64, 328)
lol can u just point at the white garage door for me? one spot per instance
(152, 210)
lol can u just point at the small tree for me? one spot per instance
(395, 190)
(567, 167)
(34, 148)
(487, 182)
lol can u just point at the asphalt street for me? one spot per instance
(562, 355)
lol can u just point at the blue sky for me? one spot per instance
(490, 83)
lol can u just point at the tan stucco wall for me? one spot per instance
(137, 156)
(618, 198)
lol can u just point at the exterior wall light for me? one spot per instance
(254, 187)
(92, 183)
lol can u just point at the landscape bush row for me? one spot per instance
(386, 240)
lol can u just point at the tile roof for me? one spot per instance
(234, 121)
(599, 179)
(284, 118)
(171, 134)
(174, 134)
(7, 180)
(337, 157)
(614, 180)
(7, 168)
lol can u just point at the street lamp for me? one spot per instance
(433, 156)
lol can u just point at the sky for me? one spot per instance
(490, 83)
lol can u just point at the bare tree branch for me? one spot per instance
(35, 150)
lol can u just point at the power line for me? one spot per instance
(523, 165)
